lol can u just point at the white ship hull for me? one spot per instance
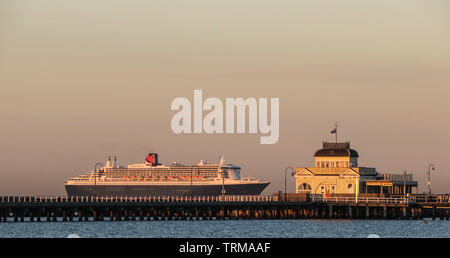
(168, 189)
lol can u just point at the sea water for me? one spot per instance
(230, 229)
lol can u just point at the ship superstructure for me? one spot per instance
(154, 179)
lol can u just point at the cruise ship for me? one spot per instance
(154, 179)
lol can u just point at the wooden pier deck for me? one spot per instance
(90, 208)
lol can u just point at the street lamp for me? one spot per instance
(430, 167)
(223, 181)
(292, 173)
(192, 170)
(95, 176)
(404, 182)
(223, 174)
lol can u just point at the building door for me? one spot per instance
(328, 191)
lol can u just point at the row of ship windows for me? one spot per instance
(165, 170)
(159, 174)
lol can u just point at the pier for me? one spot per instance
(291, 206)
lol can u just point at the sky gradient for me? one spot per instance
(80, 81)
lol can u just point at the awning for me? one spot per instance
(379, 183)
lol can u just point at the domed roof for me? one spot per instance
(341, 149)
(336, 153)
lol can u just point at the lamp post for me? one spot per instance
(192, 170)
(430, 167)
(95, 176)
(223, 185)
(292, 173)
(223, 174)
(223, 182)
(404, 182)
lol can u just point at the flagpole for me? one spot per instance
(336, 131)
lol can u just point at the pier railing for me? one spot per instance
(135, 199)
(413, 199)
(317, 198)
(371, 200)
(424, 199)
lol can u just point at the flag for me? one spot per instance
(334, 130)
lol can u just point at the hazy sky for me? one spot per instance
(81, 80)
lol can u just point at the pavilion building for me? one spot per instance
(337, 171)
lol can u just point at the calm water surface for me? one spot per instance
(231, 228)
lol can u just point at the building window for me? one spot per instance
(322, 189)
(304, 187)
(350, 188)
